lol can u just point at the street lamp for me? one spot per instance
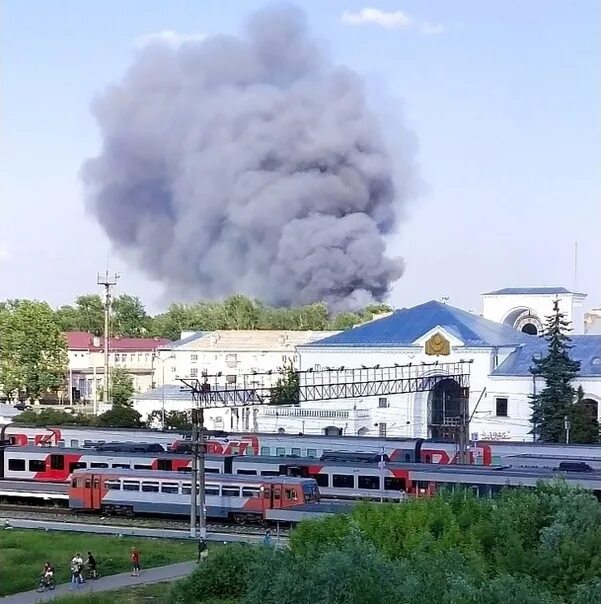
(159, 358)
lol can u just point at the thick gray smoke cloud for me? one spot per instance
(247, 164)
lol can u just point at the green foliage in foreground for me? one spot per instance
(538, 546)
(23, 553)
(157, 593)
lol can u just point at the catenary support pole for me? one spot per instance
(194, 481)
(202, 517)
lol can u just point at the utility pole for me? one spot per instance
(197, 494)
(107, 281)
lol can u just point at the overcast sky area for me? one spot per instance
(504, 100)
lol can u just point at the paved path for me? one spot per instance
(152, 575)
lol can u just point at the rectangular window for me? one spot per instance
(231, 360)
(501, 406)
(270, 473)
(247, 472)
(74, 444)
(212, 489)
(230, 379)
(16, 465)
(77, 465)
(150, 487)
(117, 357)
(57, 462)
(211, 470)
(132, 357)
(193, 371)
(265, 451)
(112, 485)
(164, 465)
(394, 484)
(230, 491)
(170, 487)
(382, 429)
(186, 488)
(131, 485)
(312, 453)
(383, 402)
(322, 480)
(296, 452)
(317, 367)
(343, 481)
(368, 482)
(96, 464)
(37, 465)
(291, 495)
(194, 358)
(251, 492)
(142, 466)
(280, 452)
(121, 466)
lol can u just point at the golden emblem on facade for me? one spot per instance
(438, 345)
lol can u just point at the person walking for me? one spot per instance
(203, 552)
(135, 562)
(267, 537)
(75, 572)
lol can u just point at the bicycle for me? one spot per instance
(44, 584)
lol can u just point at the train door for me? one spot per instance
(276, 496)
(92, 495)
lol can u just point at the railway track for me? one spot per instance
(63, 515)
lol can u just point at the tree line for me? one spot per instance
(527, 546)
(130, 319)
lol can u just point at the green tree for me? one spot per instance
(90, 314)
(52, 417)
(33, 351)
(129, 317)
(68, 318)
(241, 312)
(551, 405)
(346, 320)
(287, 387)
(122, 387)
(584, 425)
(174, 420)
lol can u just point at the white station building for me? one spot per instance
(499, 346)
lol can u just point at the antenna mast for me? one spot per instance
(107, 281)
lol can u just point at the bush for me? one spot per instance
(226, 573)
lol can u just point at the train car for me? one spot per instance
(51, 464)
(237, 498)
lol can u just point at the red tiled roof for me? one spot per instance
(82, 340)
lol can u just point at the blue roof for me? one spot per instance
(530, 291)
(404, 326)
(586, 349)
(187, 339)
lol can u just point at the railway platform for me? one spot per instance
(152, 575)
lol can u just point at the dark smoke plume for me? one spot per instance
(247, 164)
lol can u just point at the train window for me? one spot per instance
(74, 443)
(16, 465)
(165, 465)
(267, 493)
(251, 492)
(186, 488)
(121, 466)
(265, 451)
(74, 483)
(368, 482)
(322, 480)
(280, 452)
(296, 452)
(247, 472)
(77, 465)
(88, 483)
(428, 458)
(394, 484)
(186, 469)
(311, 452)
(270, 473)
(211, 470)
(291, 495)
(131, 485)
(112, 485)
(57, 462)
(211, 489)
(170, 487)
(98, 464)
(150, 487)
(142, 466)
(343, 481)
(408, 457)
(230, 491)
(37, 465)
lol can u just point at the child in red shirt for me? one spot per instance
(135, 562)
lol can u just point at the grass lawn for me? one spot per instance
(23, 553)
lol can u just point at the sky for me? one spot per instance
(503, 99)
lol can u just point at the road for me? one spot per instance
(152, 575)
